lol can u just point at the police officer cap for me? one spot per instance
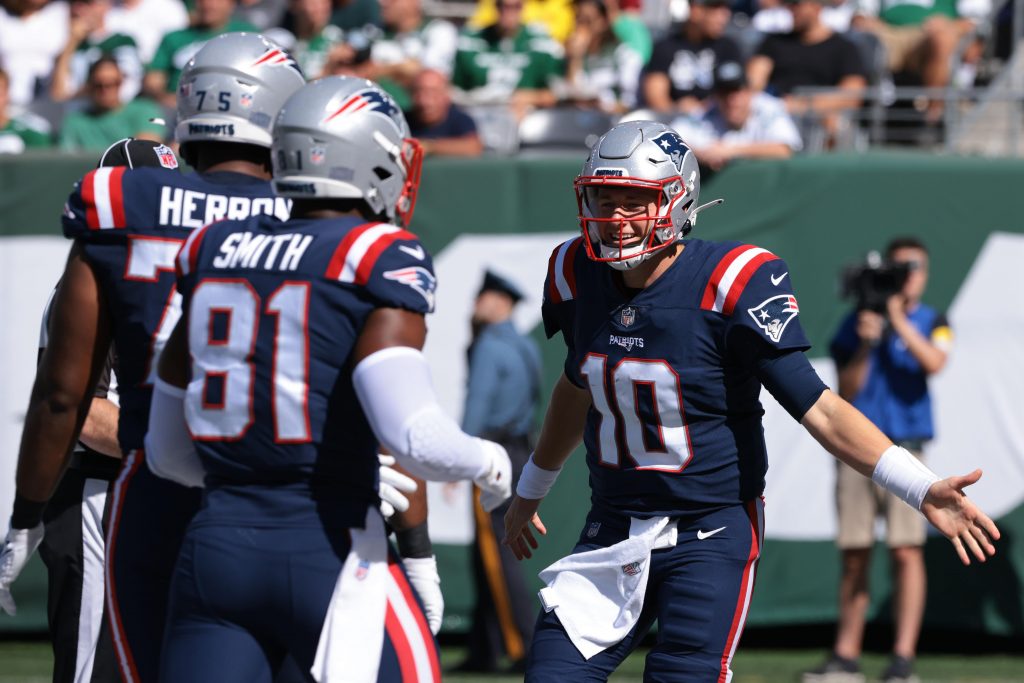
(135, 153)
(496, 283)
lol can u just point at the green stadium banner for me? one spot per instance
(819, 213)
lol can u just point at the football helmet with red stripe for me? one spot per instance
(232, 89)
(345, 138)
(644, 155)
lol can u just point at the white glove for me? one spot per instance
(392, 484)
(423, 576)
(18, 548)
(496, 484)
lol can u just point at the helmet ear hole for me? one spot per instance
(381, 173)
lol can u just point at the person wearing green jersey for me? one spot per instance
(308, 35)
(210, 19)
(106, 117)
(89, 38)
(18, 134)
(921, 37)
(508, 61)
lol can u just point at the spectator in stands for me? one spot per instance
(811, 55)
(680, 74)
(410, 42)
(440, 126)
(355, 14)
(265, 15)
(600, 69)
(553, 17)
(308, 35)
(210, 18)
(32, 34)
(740, 124)
(18, 133)
(885, 352)
(629, 26)
(350, 58)
(147, 22)
(921, 36)
(773, 16)
(106, 116)
(89, 38)
(508, 62)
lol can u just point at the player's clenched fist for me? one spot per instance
(496, 482)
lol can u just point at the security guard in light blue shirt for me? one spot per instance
(501, 399)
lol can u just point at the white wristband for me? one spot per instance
(905, 476)
(535, 482)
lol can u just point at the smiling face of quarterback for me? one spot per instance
(634, 207)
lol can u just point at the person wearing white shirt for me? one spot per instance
(32, 34)
(147, 21)
(739, 124)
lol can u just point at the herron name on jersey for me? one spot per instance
(675, 425)
(274, 311)
(131, 224)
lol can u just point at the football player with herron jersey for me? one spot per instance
(669, 343)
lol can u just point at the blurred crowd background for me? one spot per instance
(737, 78)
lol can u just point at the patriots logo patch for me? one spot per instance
(672, 145)
(421, 280)
(275, 57)
(369, 100)
(774, 314)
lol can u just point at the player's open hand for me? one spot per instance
(522, 512)
(949, 509)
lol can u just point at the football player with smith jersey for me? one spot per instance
(127, 227)
(304, 339)
(669, 343)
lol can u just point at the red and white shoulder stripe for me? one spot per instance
(359, 250)
(562, 271)
(731, 276)
(189, 252)
(103, 196)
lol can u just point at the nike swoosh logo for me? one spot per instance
(701, 535)
(416, 252)
(777, 280)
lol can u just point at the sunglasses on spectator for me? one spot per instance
(912, 264)
(101, 85)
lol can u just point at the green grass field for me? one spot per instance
(30, 662)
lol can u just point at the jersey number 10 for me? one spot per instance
(628, 379)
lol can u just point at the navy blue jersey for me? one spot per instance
(131, 224)
(274, 311)
(675, 425)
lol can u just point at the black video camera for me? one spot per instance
(871, 283)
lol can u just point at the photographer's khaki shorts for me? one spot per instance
(860, 500)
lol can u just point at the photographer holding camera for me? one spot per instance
(884, 353)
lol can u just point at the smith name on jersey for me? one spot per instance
(131, 224)
(674, 372)
(274, 311)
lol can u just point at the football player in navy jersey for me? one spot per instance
(127, 227)
(297, 353)
(669, 343)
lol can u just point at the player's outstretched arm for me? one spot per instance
(560, 434)
(851, 437)
(62, 395)
(392, 382)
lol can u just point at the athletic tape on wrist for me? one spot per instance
(535, 482)
(906, 477)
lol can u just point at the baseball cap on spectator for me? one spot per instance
(730, 76)
(135, 153)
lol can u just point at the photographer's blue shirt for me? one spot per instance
(895, 393)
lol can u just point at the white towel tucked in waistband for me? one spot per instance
(353, 631)
(598, 594)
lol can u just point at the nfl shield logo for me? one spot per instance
(627, 316)
(594, 528)
(362, 570)
(166, 156)
(631, 569)
(317, 155)
(245, 100)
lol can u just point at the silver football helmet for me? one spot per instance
(345, 138)
(232, 89)
(645, 155)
